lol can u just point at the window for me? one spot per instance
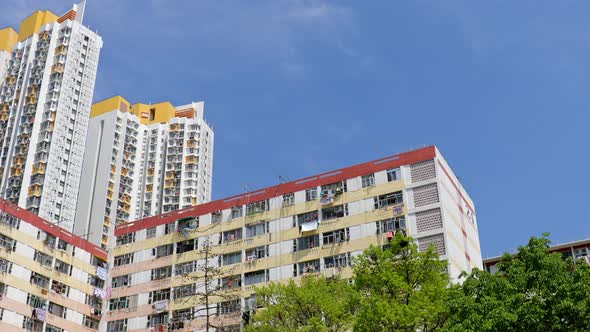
(185, 268)
(158, 319)
(388, 199)
(59, 287)
(182, 315)
(10, 244)
(256, 229)
(90, 322)
(125, 239)
(307, 217)
(337, 236)
(307, 242)
(51, 328)
(123, 259)
(5, 266)
(35, 301)
(255, 277)
(216, 217)
(229, 306)
(256, 253)
(236, 212)
(391, 225)
(185, 246)
(257, 207)
(93, 301)
(337, 261)
(161, 273)
(119, 303)
(335, 212)
(62, 267)
(368, 180)
(117, 326)
(169, 228)
(288, 199)
(304, 268)
(95, 281)
(56, 310)
(121, 281)
(42, 258)
(162, 251)
(311, 194)
(39, 280)
(231, 282)
(159, 295)
(232, 235)
(334, 188)
(152, 114)
(232, 258)
(393, 174)
(184, 291)
(32, 324)
(150, 232)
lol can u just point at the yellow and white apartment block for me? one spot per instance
(314, 225)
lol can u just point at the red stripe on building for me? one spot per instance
(42, 224)
(456, 188)
(398, 160)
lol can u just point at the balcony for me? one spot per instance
(57, 68)
(35, 190)
(60, 50)
(39, 168)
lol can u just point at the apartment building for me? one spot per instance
(50, 279)
(576, 250)
(48, 72)
(142, 160)
(314, 225)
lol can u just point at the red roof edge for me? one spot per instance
(397, 160)
(30, 218)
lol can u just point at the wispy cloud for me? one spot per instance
(275, 32)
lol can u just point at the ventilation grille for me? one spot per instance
(425, 195)
(428, 220)
(423, 171)
(437, 240)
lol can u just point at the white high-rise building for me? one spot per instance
(142, 160)
(48, 70)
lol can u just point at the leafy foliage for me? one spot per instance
(316, 305)
(534, 291)
(400, 289)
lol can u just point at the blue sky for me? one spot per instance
(294, 88)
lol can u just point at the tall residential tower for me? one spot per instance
(142, 160)
(48, 70)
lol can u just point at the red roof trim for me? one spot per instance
(406, 158)
(30, 218)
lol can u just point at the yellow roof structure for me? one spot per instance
(34, 22)
(8, 38)
(147, 113)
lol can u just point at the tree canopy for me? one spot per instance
(535, 290)
(401, 289)
(317, 304)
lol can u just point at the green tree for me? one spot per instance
(535, 290)
(400, 289)
(317, 304)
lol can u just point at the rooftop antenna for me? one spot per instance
(284, 179)
(246, 187)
